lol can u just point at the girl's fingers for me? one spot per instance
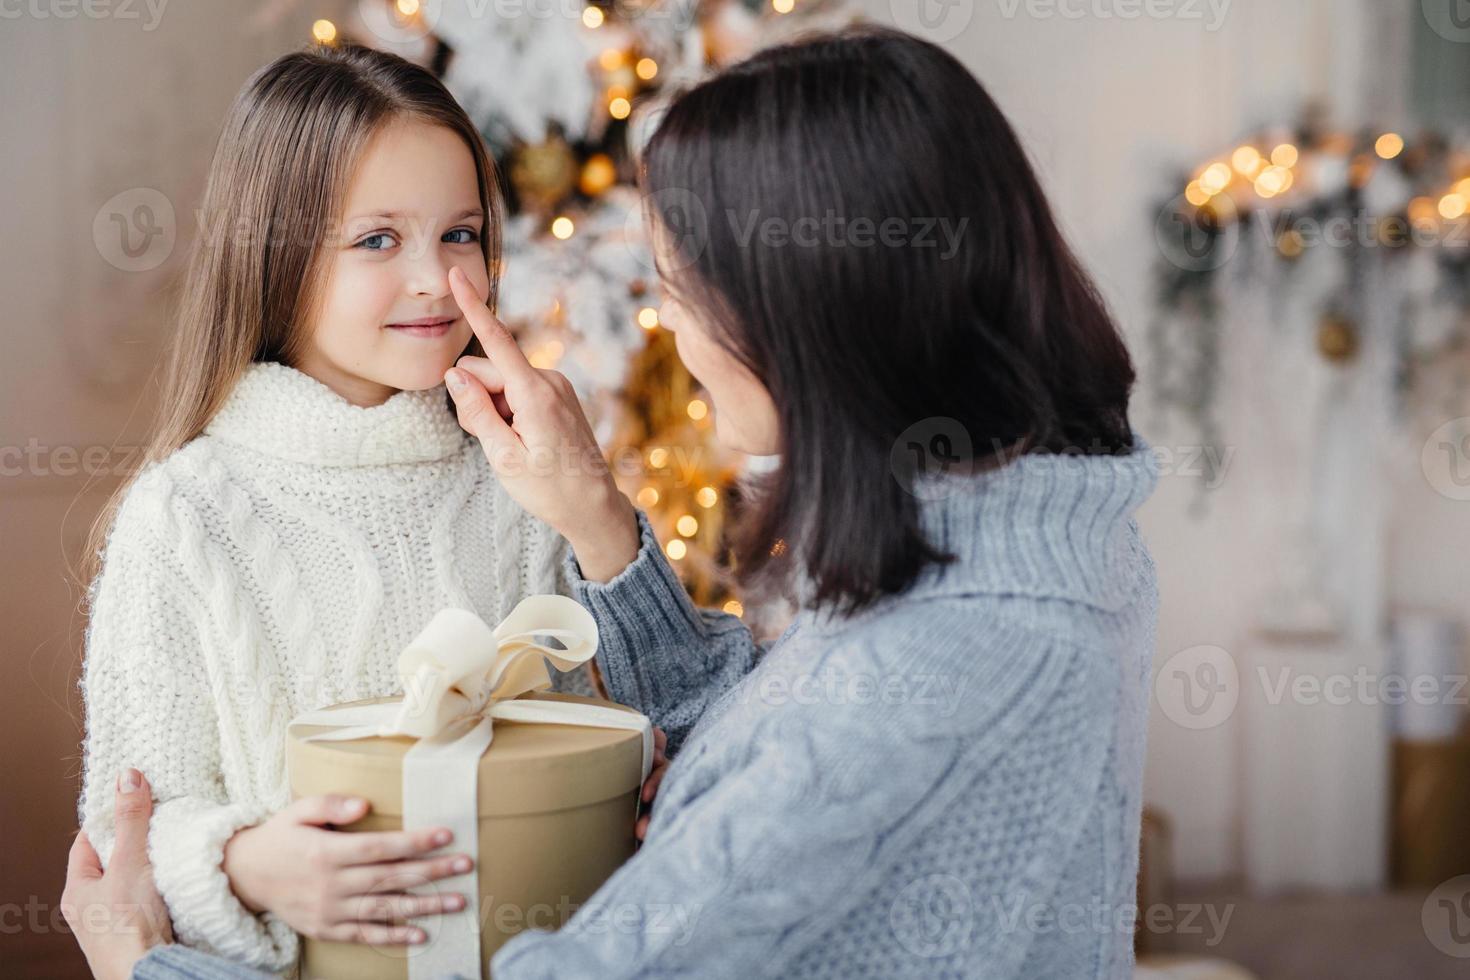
(378, 847)
(395, 906)
(497, 341)
(325, 808)
(641, 830)
(403, 875)
(373, 933)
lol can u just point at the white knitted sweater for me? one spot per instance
(278, 563)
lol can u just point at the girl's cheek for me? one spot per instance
(365, 281)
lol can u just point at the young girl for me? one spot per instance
(309, 503)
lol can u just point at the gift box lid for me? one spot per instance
(529, 767)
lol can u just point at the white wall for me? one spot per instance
(1108, 108)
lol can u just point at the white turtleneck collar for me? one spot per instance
(282, 412)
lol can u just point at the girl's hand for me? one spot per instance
(655, 776)
(539, 443)
(336, 886)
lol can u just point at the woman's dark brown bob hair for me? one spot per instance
(786, 169)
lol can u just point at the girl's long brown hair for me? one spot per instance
(273, 200)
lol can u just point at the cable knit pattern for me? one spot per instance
(278, 563)
(946, 785)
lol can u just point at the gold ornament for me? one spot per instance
(544, 173)
(1337, 338)
(1292, 245)
(598, 174)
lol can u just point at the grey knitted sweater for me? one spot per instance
(945, 785)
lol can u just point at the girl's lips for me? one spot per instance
(429, 326)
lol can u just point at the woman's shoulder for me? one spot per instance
(961, 621)
(983, 652)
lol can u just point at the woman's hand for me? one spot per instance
(655, 776)
(539, 443)
(117, 914)
(336, 886)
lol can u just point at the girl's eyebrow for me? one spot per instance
(474, 212)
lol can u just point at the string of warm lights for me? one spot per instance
(1366, 196)
(625, 72)
(1260, 171)
(681, 484)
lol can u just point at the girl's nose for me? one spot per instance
(430, 275)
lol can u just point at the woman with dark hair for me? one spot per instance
(936, 770)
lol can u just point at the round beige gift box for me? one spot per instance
(557, 805)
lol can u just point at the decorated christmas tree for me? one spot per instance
(565, 98)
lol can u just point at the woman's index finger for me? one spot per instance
(500, 347)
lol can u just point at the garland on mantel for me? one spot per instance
(1370, 196)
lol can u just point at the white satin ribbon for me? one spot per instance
(458, 676)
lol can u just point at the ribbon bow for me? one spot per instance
(458, 676)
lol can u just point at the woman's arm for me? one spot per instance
(149, 706)
(835, 815)
(175, 962)
(657, 651)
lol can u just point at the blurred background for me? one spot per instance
(1272, 195)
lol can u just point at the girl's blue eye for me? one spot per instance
(375, 242)
(470, 234)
